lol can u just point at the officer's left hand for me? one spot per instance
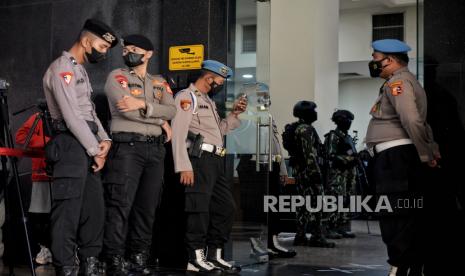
(284, 180)
(240, 106)
(104, 148)
(128, 103)
(166, 127)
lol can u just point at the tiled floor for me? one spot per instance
(362, 256)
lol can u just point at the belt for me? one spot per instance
(220, 151)
(395, 143)
(59, 126)
(129, 137)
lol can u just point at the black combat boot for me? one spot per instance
(215, 257)
(300, 237)
(90, 266)
(67, 271)
(320, 242)
(346, 234)
(198, 264)
(138, 263)
(275, 250)
(116, 266)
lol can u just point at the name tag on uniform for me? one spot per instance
(79, 81)
(203, 106)
(131, 85)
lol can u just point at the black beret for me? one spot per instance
(102, 30)
(138, 41)
(342, 114)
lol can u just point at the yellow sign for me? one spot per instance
(188, 57)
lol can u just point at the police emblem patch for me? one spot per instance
(185, 104)
(136, 92)
(67, 77)
(158, 95)
(122, 80)
(396, 88)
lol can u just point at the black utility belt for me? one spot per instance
(59, 126)
(129, 137)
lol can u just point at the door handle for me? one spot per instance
(270, 142)
(257, 144)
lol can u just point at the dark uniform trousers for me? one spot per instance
(400, 175)
(77, 208)
(133, 185)
(209, 204)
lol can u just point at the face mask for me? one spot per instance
(95, 56)
(376, 68)
(215, 88)
(133, 59)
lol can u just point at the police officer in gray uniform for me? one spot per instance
(403, 147)
(209, 203)
(77, 152)
(140, 105)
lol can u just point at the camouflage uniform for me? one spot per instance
(341, 173)
(308, 177)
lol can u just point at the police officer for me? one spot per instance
(209, 203)
(341, 170)
(308, 176)
(77, 152)
(403, 146)
(140, 104)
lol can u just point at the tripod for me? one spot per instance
(10, 163)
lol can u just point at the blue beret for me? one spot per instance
(217, 68)
(102, 30)
(390, 46)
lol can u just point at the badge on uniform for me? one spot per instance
(122, 80)
(136, 92)
(67, 76)
(396, 88)
(158, 95)
(185, 104)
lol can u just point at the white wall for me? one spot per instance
(244, 59)
(358, 96)
(303, 57)
(355, 32)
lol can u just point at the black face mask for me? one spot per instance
(95, 56)
(376, 68)
(133, 59)
(215, 88)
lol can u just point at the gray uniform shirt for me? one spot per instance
(68, 92)
(400, 112)
(196, 112)
(154, 90)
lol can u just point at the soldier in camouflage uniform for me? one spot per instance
(341, 174)
(308, 175)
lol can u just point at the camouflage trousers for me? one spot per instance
(340, 183)
(306, 220)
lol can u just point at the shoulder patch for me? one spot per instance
(122, 80)
(67, 77)
(185, 104)
(396, 88)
